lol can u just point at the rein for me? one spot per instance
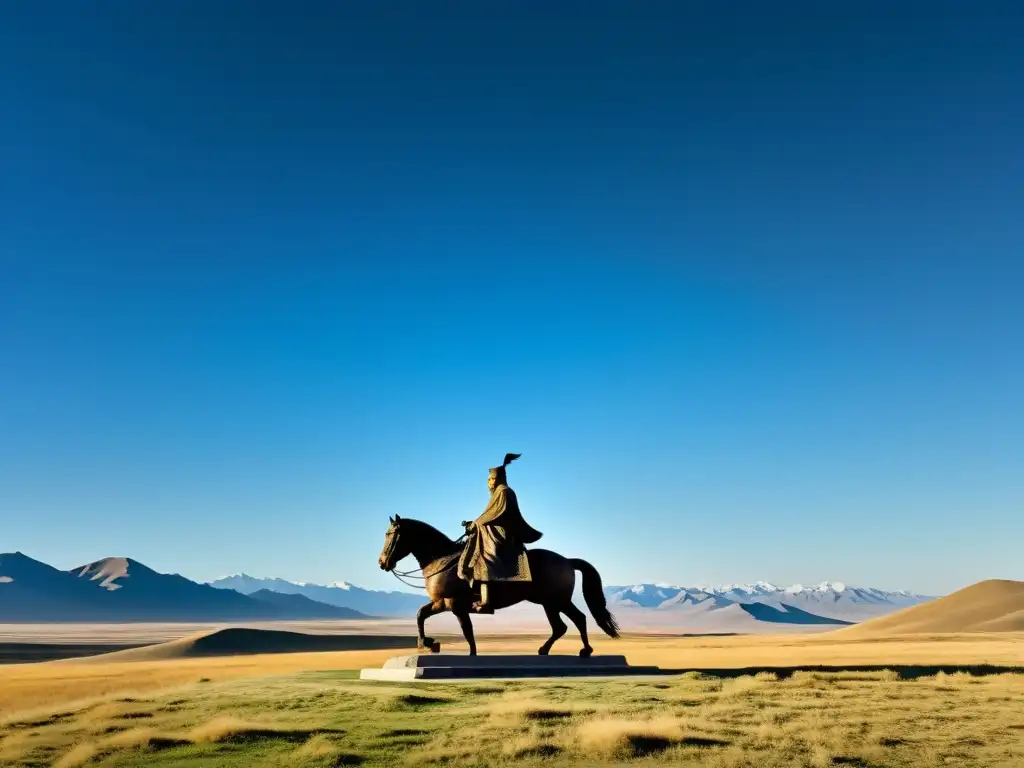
(447, 561)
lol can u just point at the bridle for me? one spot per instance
(446, 562)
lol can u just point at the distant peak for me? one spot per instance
(237, 577)
(333, 585)
(825, 586)
(108, 571)
(16, 556)
(833, 586)
(20, 565)
(113, 561)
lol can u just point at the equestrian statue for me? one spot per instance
(494, 570)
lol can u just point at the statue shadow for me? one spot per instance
(903, 671)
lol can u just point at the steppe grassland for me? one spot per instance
(328, 719)
(27, 687)
(305, 709)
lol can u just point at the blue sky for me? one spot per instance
(742, 286)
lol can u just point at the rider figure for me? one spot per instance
(494, 550)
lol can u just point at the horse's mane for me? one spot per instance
(430, 538)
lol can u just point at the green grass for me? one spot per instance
(329, 719)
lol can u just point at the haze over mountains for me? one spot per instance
(734, 605)
(340, 593)
(829, 599)
(121, 589)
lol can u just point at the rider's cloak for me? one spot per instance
(495, 552)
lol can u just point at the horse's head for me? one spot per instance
(395, 549)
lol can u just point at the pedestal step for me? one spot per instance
(455, 666)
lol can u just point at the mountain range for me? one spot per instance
(833, 601)
(340, 593)
(829, 599)
(121, 589)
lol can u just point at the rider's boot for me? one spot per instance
(483, 606)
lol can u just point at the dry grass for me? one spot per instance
(79, 754)
(622, 738)
(519, 707)
(272, 710)
(25, 687)
(317, 748)
(806, 719)
(223, 728)
(133, 738)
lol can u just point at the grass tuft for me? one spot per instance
(547, 714)
(319, 749)
(228, 729)
(80, 754)
(143, 738)
(625, 738)
(412, 701)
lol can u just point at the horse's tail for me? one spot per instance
(593, 593)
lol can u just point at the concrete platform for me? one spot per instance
(449, 666)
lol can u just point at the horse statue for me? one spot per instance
(551, 587)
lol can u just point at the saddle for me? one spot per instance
(449, 562)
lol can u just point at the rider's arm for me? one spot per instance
(495, 510)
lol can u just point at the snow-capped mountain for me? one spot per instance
(832, 599)
(829, 599)
(339, 593)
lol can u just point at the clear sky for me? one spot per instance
(741, 281)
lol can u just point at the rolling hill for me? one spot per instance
(243, 641)
(995, 605)
(787, 614)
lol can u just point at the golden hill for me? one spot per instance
(240, 641)
(995, 605)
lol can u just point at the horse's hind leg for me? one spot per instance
(577, 617)
(557, 629)
(467, 630)
(425, 643)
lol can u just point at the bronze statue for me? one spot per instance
(494, 556)
(494, 551)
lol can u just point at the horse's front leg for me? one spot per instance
(425, 643)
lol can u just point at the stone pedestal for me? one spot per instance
(448, 666)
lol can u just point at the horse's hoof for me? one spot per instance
(542, 651)
(586, 653)
(435, 647)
